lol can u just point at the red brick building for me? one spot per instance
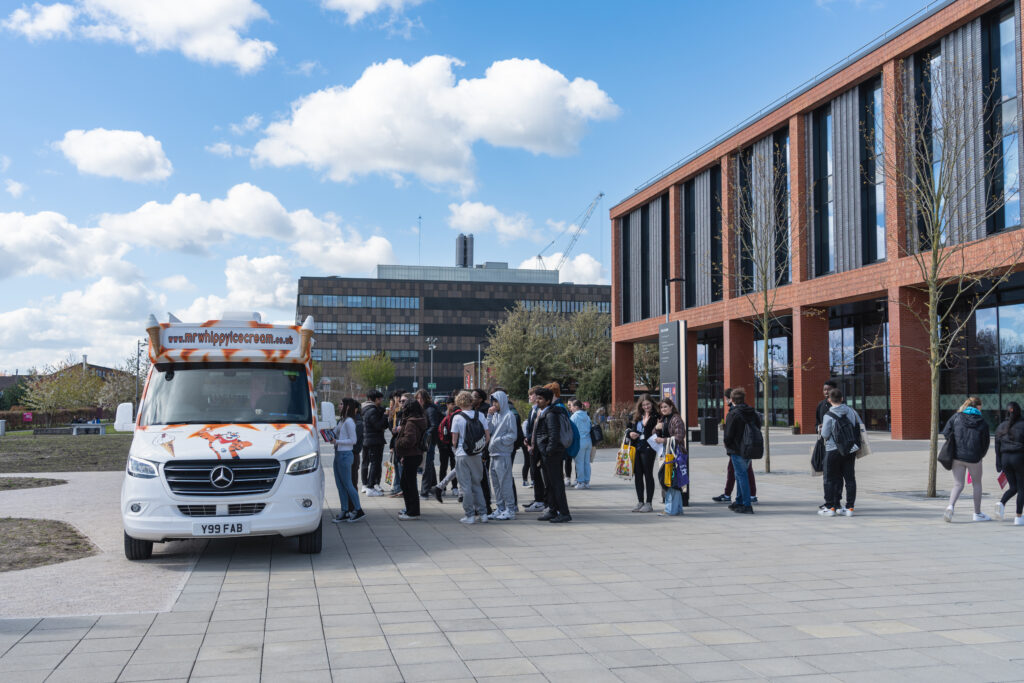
(847, 277)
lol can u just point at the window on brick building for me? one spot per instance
(824, 203)
(1003, 120)
(873, 167)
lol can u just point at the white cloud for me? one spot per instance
(307, 67)
(102, 320)
(227, 150)
(355, 10)
(262, 284)
(247, 125)
(400, 119)
(176, 283)
(202, 30)
(14, 188)
(191, 224)
(476, 217)
(42, 22)
(581, 269)
(5, 163)
(46, 243)
(125, 154)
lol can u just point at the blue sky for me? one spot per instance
(200, 155)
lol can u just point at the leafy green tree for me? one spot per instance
(647, 366)
(586, 344)
(13, 395)
(376, 371)
(596, 386)
(68, 386)
(525, 339)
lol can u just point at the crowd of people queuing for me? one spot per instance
(476, 437)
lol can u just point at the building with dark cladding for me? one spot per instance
(849, 295)
(406, 305)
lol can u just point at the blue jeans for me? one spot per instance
(583, 463)
(343, 480)
(739, 466)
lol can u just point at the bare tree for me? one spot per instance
(948, 173)
(761, 232)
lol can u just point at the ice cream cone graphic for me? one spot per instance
(166, 441)
(282, 439)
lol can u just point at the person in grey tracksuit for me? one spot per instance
(502, 425)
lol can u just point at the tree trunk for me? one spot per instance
(933, 429)
(766, 388)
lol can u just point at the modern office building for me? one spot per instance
(848, 289)
(404, 306)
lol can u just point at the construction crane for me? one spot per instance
(576, 232)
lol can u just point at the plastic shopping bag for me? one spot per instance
(389, 473)
(624, 459)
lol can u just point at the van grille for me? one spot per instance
(192, 477)
(234, 509)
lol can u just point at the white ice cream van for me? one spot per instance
(227, 439)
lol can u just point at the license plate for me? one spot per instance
(219, 528)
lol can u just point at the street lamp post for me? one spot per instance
(667, 299)
(431, 344)
(529, 373)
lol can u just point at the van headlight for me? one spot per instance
(304, 464)
(143, 469)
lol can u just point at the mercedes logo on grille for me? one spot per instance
(221, 477)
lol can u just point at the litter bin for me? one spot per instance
(709, 431)
(3, 427)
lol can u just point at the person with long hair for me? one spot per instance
(409, 453)
(350, 510)
(1010, 460)
(969, 434)
(670, 426)
(645, 419)
(581, 419)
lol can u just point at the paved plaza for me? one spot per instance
(893, 593)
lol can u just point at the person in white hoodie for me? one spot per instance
(502, 426)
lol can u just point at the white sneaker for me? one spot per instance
(376, 487)
(455, 492)
(1018, 521)
(847, 512)
(981, 517)
(827, 512)
(468, 520)
(1000, 511)
(535, 506)
(568, 482)
(375, 493)
(493, 515)
(482, 519)
(501, 515)
(578, 485)
(948, 514)
(509, 515)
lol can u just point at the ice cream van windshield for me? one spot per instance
(226, 393)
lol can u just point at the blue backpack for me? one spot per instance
(565, 427)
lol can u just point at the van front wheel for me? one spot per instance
(135, 549)
(313, 542)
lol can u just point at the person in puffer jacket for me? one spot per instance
(1010, 460)
(502, 425)
(969, 433)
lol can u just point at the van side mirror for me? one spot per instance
(124, 420)
(327, 418)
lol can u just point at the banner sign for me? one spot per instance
(256, 338)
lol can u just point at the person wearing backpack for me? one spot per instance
(375, 421)
(446, 452)
(581, 421)
(840, 430)
(1010, 460)
(469, 437)
(409, 451)
(970, 438)
(504, 431)
(742, 437)
(730, 474)
(549, 440)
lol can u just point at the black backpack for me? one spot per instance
(596, 434)
(426, 439)
(752, 445)
(845, 434)
(475, 437)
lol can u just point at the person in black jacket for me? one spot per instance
(1010, 460)
(819, 447)
(739, 416)
(969, 433)
(540, 492)
(547, 443)
(433, 415)
(645, 419)
(374, 424)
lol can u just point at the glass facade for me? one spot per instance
(342, 301)
(824, 204)
(561, 306)
(858, 341)
(873, 161)
(780, 384)
(710, 375)
(1005, 179)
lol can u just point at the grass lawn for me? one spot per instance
(27, 543)
(11, 483)
(23, 452)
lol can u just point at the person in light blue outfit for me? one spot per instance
(343, 458)
(582, 421)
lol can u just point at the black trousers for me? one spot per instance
(372, 458)
(447, 461)
(840, 470)
(1013, 468)
(643, 473)
(555, 485)
(429, 471)
(526, 463)
(539, 476)
(486, 483)
(408, 482)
